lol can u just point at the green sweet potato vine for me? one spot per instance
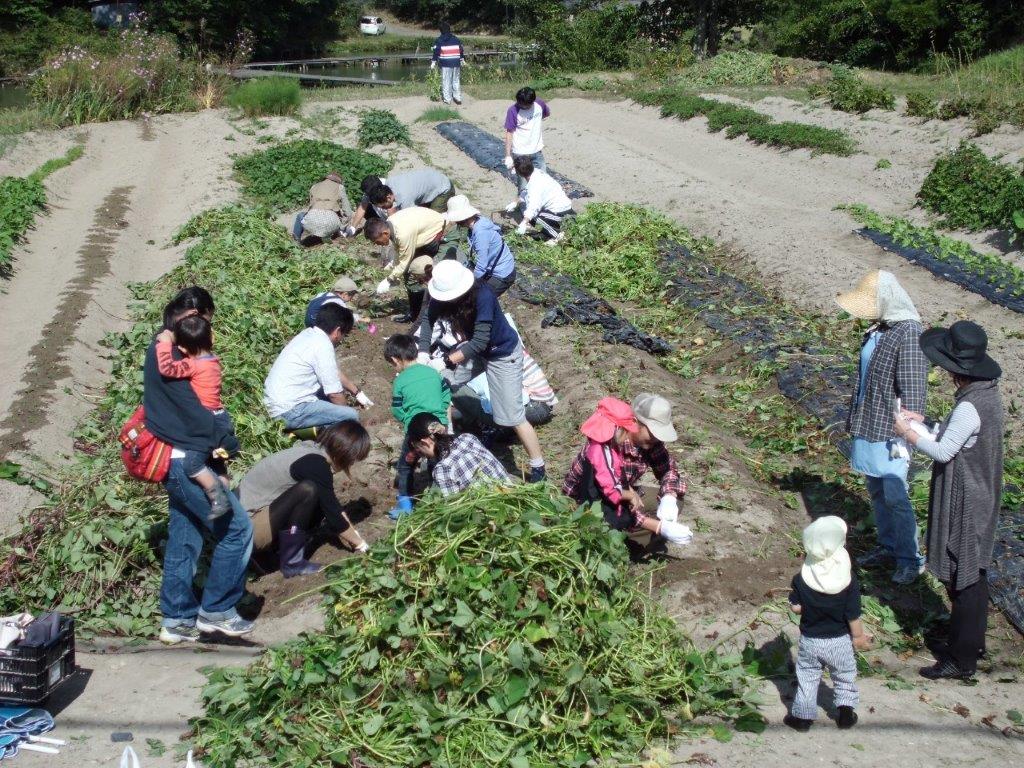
(381, 126)
(498, 627)
(971, 191)
(758, 127)
(281, 176)
(93, 552)
(20, 200)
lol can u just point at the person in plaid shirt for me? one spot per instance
(458, 462)
(893, 374)
(623, 443)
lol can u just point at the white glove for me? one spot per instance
(363, 400)
(433, 65)
(363, 548)
(523, 226)
(423, 358)
(383, 287)
(508, 162)
(677, 533)
(437, 363)
(349, 232)
(668, 509)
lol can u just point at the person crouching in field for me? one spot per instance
(826, 597)
(456, 462)
(417, 389)
(604, 471)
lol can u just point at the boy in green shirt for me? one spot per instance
(417, 389)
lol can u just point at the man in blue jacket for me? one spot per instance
(449, 53)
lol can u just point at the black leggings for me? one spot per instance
(299, 506)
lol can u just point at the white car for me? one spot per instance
(372, 25)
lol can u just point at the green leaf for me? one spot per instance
(751, 722)
(1015, 716)
(374, 724)
(535, 633)
(721, 733)
(463, 614)
(517, 655)
(515, 690)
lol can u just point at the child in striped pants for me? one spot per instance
(827, 599)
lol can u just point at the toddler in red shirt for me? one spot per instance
(193, 336)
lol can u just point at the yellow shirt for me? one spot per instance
(412, 229)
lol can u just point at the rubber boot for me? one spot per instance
(302, 433)
(291, 548)
(402, 508)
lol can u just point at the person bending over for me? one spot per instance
(545, 203)
(457, 462)
(289, 493)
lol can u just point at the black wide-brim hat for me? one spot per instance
(961, 349)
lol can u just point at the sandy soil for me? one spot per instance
(117, 207)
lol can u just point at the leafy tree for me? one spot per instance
(275, 26)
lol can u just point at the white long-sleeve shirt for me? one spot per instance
(961, 432)
(543, 193)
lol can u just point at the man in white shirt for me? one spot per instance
(304, 387)
(544, 202)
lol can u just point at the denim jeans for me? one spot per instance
(186, 528)
(538, 165)
(297, 226)
(894, 518)
(318, 413)
(404, 469)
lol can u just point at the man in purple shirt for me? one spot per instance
(524, 135)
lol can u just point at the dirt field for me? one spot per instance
(114, 211)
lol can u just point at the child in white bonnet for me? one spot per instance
(826, 596)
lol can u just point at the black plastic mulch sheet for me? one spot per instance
(951, 269)
(568, 304)
(1006, 574)
(489, 153)
(732, 308)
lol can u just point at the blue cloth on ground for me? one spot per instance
(17, 724)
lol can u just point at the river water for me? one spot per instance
(13, 96)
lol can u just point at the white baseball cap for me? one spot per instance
(655, 412)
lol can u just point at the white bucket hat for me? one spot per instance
(826, 567)
(459, 209)
(449, 281)
(655, 413)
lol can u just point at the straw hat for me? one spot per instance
(655, 413)
(862, 301)
(611, 413)
(459, 209)
(345, 285)
(826, 567)
(449, 281)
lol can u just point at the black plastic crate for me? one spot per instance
(29, 675)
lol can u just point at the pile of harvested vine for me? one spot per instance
(500, 627)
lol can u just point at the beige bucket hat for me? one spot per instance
(826, 567)
(345, 285)
(655, 412)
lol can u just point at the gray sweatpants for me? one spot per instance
(451, 84)
(815, 654)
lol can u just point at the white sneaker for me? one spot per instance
(182, 633)
(555, 241)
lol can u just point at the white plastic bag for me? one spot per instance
(130, 760)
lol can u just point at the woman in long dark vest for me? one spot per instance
(966, 488)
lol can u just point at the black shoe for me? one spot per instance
(406, 318)
(798, 723)
(458, 102)
(537, 475)
(847, 718)
(945, 670)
